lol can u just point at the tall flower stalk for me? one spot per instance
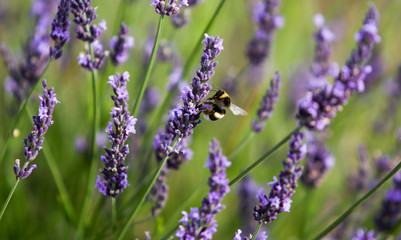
(33, 142)
(200, 223)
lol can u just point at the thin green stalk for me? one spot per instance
(263, 158)
(21, 110)
(8, 198)
(197, 45)
(242, 144)
(113, 217)
(359, 202)
(142, 200)
(255, 233)
(92, 169)
(150, 65)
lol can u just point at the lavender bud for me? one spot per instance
(168, 7)
(363, 234)
(33, 142)
(120, 46)
(267, 21)
(267, 104)
(282, 189)
(60, 24)
(121, 126)
(201, 222)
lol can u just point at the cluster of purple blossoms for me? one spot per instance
(84, 15)
(41, 122)
(201, 222)
(60, 33)
(120, 46)
(168, 7)
(120, 127)
(279, 199)
(237, 236)
(362, 234)
(267, 20)
(183, 119)
(390, 213)
(267, 104)
(318, 161)
(317, 108)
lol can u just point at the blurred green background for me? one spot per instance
(35, 211)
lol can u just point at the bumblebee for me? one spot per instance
(219, 103)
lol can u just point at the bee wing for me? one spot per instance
(237, 110)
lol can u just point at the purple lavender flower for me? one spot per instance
(34, 140)
(390, 213)
(267, 104)
(120, 46)
(60, 24)
(85, 59)
(200, 223)
(261, 236)
(318, 162)
(317, 108)
(267, 20)
(182, 18)
(183, 119)
(120, 127)
(279, 199)
(159, 192)
(363, 234)
(168, 7)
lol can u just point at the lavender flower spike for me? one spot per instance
(363, 234)
(279, 199)
(390, 213)
(120, 127)
(60, 24)
(201, 222)
(168, 7)
(121, 45)
(318, 107)
(237, 236)
(267, 21)
(266, 108)
(34, 140)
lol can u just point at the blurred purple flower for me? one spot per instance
(201, 222)
(120, 46)
(168, 7)
(390, 212)
(363, 234)
(34, 140)
(267, 21)
(60, 32)
(121, 126)
(317, 108)
(267, 104)
(261, 236)
(318, 161)
(359, 181)
(182, 18)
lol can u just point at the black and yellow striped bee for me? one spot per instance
(219, 103)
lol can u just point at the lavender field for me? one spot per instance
(200, 119)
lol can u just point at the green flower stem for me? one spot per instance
(21, 110)
(90, 186)
(142, 200)
(263, 158)
(150, 66)
(255, 233)
(359, 202)
(197, 45)
(8, 199)
(113, 217)
(251, 134)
